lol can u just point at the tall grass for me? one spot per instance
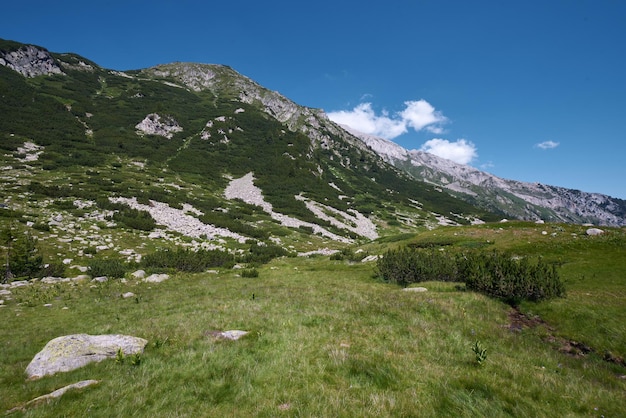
(325, 340)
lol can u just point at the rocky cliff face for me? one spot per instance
(30, 61)
(531, 201)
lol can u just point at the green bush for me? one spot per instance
(187, 260)
(406, 265)
(135, 219)
(251, 273)
(55, 269)
(22, 255)
(495, 274)
(263, 253)
(349, 255)
(111, 268)
(511, 279)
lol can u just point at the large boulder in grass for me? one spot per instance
(156, 278)
(70, 352)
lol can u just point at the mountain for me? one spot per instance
(516, 199)
(197, 150)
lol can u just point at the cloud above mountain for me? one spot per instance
(417, 115)
(460, 151)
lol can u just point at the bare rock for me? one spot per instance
(56, 394)
(594, 231)
(232, 335)
(156, 278)
(30, 61)
(139, 274)
(415, 289)
(154, 124)
(71, 352)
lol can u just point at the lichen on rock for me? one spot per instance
(66, 353)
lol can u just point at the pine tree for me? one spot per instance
(23, 257)
(6, 237)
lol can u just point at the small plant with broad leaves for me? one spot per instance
(480, 353)
(133, 359)
(119, 356)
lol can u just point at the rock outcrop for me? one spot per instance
(154, 124)
(64, 354)
(30, 61)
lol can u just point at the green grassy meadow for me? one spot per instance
(329, 339)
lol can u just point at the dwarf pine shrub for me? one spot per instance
(511, 279)
(406, 265)
(187, 260)
(495, 274)
(109, 267)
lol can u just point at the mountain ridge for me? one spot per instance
(539, 201)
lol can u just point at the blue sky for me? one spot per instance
(527, 90)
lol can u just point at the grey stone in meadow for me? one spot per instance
(60, 392)
(54, 395)
(232, 335)
(128, 295)
(594, 231)
(139, 274)
(53, 280)
(70, 352)
(100, 279)
(415, 289)
(18, 283)
(156, 278)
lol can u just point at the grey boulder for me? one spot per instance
(71, 352)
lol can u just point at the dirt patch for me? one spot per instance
(518, 321)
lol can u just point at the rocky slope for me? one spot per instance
(30, 61)
(520, 200)
(188, 155)
(223, 81)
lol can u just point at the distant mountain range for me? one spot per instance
(180, 133)
(518, 200)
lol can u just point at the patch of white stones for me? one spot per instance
(178, 220)
(355, 222)
(243, 188)
(30, 150)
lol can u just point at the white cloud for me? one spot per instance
(417, 115)
(420, 114)
(363, 119)
(460, 151)
(547, 145)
